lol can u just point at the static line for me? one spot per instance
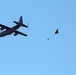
(50, 37)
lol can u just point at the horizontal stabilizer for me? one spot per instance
(18, 23)
(24, 25)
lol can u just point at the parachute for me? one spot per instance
(56, 32)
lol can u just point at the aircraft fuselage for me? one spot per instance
(5, 30)
(9, 31)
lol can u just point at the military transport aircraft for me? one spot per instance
(5, 30)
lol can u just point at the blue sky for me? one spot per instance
(35, 55)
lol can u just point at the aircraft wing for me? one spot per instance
(2, 27)
(18, 32)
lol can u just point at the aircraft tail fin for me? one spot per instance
(21, 20)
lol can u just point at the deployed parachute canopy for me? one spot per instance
(56, 32)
